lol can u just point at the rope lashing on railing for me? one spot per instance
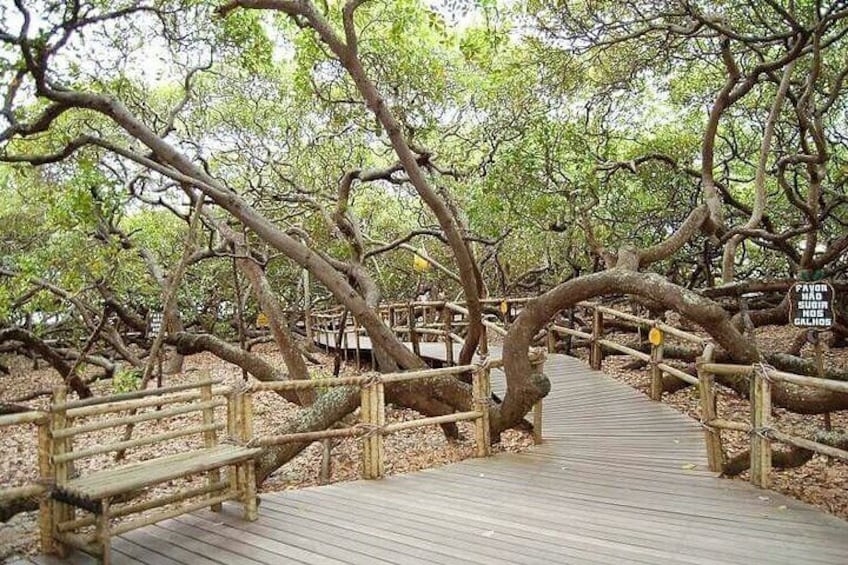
(47, 482)
(243, 387)
(371, 379)
(764, 370)
(764, 432)
(483, 363)
(366, 430)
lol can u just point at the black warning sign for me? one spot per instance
(811, 305)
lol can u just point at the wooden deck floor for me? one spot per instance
(612, 483)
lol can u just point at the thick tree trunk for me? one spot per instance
(524, 388)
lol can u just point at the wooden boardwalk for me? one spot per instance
(619, 479)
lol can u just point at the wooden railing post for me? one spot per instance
(61, 471)
(596, 354)
(538, 366)
(45, 471)
(760, 420)
(483, 347)
(234, 404)
(447, 316)
(392, 319)
(248, 474)
(656, 372)
(551, 338)
(210, 439)
(482, 393)
(246, 420)
(373, 415)
(706, 391)
(413, 335)
(326, 461)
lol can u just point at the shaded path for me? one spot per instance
(613, 483)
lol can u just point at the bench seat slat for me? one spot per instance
(112, 482)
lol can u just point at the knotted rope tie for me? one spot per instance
(371, 379)
(365, 430)
(764, 432)
(242, 387)
(764, 371)
(48, 482)
(486, 401)
(483, 363)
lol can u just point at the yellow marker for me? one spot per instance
(420, 264)
(262, 320)
(504, 307)
(655, 336)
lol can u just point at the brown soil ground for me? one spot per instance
(822, 482)
(406, 451)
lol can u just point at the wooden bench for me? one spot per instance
(108, 494)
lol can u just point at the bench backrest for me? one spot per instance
(122, 412)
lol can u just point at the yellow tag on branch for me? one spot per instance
(262, 320)
(655, 336)
(504, 307)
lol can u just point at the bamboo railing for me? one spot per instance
(36, 489)
(759, 427)
(439, 319)
(418, 322)
(373, 427)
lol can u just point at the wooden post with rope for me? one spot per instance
(373, 415)
(413, 335)
(447, 320)
(707, 394)
(656, 339)
(596, 354)
(482, 393)
(538, 366)
(760, 421)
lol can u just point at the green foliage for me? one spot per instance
(126, 380)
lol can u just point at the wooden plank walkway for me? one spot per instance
(612, 483)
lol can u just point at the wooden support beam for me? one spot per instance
(551, 339)
(447, 320)
(210, 437)
(482, 394)
(46, 474)
(596, 353)
(656, 372)
(709, 413)
(760, 422)
(413, 334)
(537, 423)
